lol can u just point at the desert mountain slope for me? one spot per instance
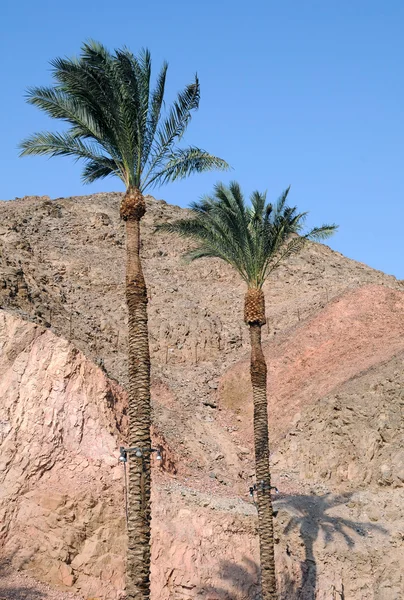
(62, 265)
(359, 329)
(62, 506)
(353, 438)
(62, 262)
(332, 323)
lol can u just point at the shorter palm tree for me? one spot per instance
(254, 240)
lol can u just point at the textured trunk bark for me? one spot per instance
(139, 408)
(262, 471)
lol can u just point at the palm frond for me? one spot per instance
(183, 162)
(156, 104)
(282, 253)
(134, 75)
(254, 239)
(92, 84)
(321, 233)
(280, 205)
(258, 205)
(116, 118)
(214, 237)
(172, 128)
(64, 144)
(96, 169)
(59, 105)
(174, 125)
(58, 144)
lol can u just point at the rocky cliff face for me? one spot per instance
(61, 420)
(62, 502)
(334, 344)
(62, 505)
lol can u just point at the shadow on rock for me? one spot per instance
(16, 592)
(239, 582)
(310, 516)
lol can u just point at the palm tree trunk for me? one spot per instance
(262, 472)
(139, 407)
(309, 568)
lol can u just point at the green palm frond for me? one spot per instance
(88, 81)
(60, 144)
(65, 144)
(174, 125)
(59, 105)
(172, 128)
(96, 169)
(182, 163)
(214, 239)
(320, 233)
(253, 239)
(116, 121)
(156, 104)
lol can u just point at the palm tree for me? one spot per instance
(118, 127)
(254, 241)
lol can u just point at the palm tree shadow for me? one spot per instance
(20, 592)
(240, 581)
(309, 514)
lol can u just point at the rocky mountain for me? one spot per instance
(335, 348)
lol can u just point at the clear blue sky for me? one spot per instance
(308, 93)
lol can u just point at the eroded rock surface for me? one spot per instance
(62, 499)
(62, 504)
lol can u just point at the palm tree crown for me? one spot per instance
(116, 120)
(253, 239)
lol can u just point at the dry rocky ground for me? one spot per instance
(335, 348)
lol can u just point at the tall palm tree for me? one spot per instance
(254, 240)
(117, 125)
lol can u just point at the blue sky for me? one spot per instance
(308, 93)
